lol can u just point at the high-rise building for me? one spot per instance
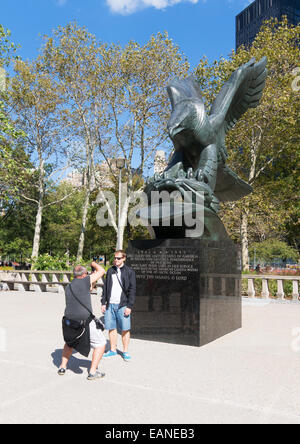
(102, 176)
(249, 21)
(160, 162)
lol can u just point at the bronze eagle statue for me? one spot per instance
(199, 159)
(198, 166)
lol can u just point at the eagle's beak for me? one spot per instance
(175, 130)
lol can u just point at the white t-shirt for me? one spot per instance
(116, 291)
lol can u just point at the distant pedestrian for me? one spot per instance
(257, 269)
(82, 331)
(117, 302)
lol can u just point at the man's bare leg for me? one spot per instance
(67, 353)
(125, 340)
(97, 355)
(113, 339)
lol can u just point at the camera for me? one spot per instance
(99, 324)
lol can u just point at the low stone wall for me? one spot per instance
(265, 292)
(40, 281)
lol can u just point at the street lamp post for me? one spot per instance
(120, 163)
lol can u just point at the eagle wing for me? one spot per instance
(242, 91)
(229, 186)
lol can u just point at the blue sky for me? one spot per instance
(198, 27)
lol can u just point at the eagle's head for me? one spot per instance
(188, 124)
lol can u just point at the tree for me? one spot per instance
(62, 222)
(9, 161)
(72, 57)
(36, 100)
(138, 107)
(117, 103)
(6, 49)
(263, 145)
(272, 250)
(17, 229)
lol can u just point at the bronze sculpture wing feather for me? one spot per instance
(242, 91)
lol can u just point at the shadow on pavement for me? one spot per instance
(75, 365)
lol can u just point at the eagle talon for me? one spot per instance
(200, 176)
(190, 173)
(181, 174)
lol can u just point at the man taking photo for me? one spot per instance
(117, 303)
(81, 330)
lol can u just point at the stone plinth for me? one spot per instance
(188, 291)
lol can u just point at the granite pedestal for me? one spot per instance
(188, 290)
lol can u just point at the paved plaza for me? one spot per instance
(249, 376)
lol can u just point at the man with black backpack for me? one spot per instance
(81, 330)
(117, 303)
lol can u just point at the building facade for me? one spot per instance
(249, 21)
(103, 176)
(160, 162)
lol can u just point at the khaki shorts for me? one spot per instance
(97, 337)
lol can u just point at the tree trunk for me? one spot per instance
(39, 214)
(244, 238)
(256, 141)
(88, 177)
(123, 223)
(83, 224)
(37, 231)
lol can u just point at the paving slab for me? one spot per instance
(249, 376)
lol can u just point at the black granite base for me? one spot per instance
(188, 291)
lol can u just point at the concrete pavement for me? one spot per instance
(249, 376)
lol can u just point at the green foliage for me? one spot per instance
(61, 222)
(111, 101)
(8, 131)
(18, 249)
(272, 285)
(263, 146)
(46, 262)
(117, 105)
(7, 47)
(7, 128)
(270, 250)
(16, 230)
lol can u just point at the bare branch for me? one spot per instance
(257, 174)
(60, 200)
(29, 199)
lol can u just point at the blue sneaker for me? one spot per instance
(126, 357)
(109, 354)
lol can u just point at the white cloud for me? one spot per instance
(131, 6)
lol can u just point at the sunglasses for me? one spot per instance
(118, 258)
